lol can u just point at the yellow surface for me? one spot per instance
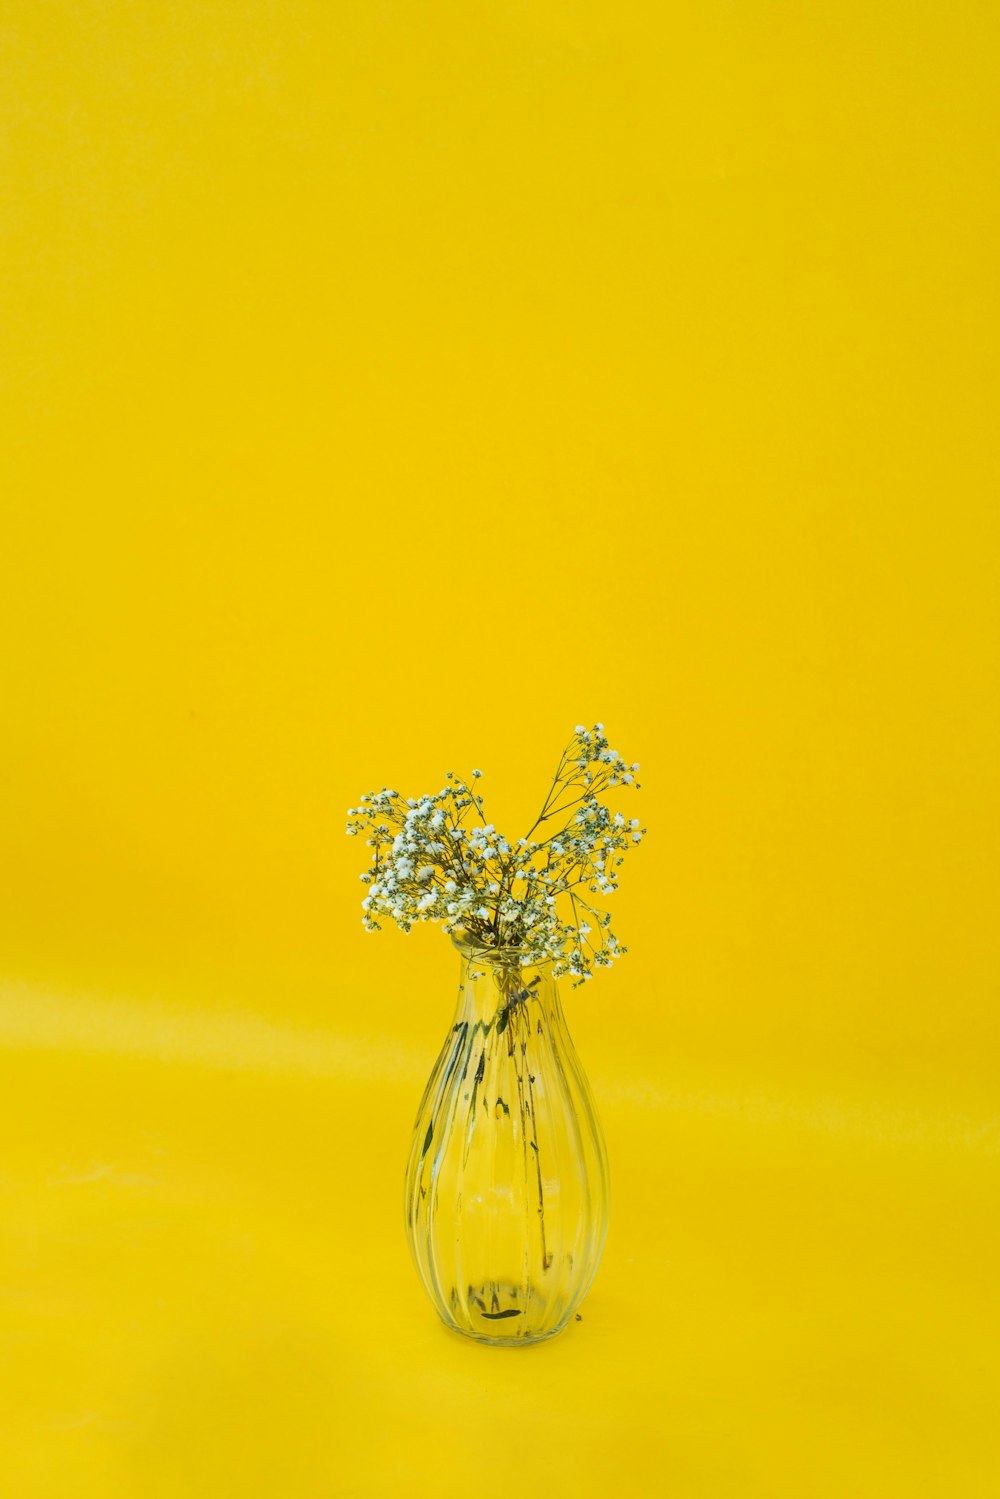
(386, 389)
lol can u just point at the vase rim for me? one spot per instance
(498, 955)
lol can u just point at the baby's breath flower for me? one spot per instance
(427, 866)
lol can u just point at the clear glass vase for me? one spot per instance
(507, 1181)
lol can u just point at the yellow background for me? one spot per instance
(388, 387)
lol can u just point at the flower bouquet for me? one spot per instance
(506, 1194)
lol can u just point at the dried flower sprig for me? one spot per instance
(525, 896)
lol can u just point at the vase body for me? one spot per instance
(507, 1181)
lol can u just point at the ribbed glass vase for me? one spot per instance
(507, 1181)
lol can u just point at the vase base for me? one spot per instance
(503, 1315)
(501, 1342)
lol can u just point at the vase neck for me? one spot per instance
(488, 985)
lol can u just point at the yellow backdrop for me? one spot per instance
(388, 388)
